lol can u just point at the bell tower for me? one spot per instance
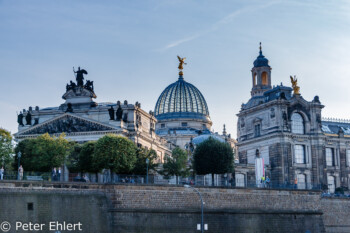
(261, 75)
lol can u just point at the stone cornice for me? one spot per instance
(293, 100)
(263, 106)
(281, 134)
(159, 141)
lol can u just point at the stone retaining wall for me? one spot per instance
(42, 206)
(146, 208)
(336, 214)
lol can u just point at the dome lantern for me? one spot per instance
(261, 60)
(261, 75)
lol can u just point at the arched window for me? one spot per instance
(254, 79)
(297, 123)
(264, 79)
(240, 180)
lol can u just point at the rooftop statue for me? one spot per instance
(119, 113)
(80, 76)
(89, 85)
(20, 119)
(29, 118)
(295, 86)
(182, 62)
(111, 113)
(70, 86)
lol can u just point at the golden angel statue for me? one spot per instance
(182, 61)
(295, 86)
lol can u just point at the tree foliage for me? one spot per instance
(86, 156)
(73, 160)
(176, 164)
(26, 148)
(140, 165)
(213, 157)
(115, 153)
(6, 148)
(81, 156)
(43, 153)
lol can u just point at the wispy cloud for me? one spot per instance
(178, 42)
(227, 19)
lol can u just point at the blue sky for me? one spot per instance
(129, 49)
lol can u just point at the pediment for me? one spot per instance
(299, 101)
(66, 123)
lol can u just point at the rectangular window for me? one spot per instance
(257, 130)
(331, 184)
(162, 126)
(348, 157)
(184, 124)
(299, 154)
(329, 156)
(301, 181)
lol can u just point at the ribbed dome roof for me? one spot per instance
(181, 100)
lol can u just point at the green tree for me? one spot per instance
(140, 165)
(86, 156)
(43, 153)
(73, 160)
(27, 160)
(115, 153)
(6, 148)
(213, 157)
(176, 164)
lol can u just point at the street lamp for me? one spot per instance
(200, 196)
(19, 161)
(147, 162)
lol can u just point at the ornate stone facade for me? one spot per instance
(82, 119)
(287, 132)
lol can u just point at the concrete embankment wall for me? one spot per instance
(143, 208)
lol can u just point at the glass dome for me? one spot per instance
(202, 138)
(181, 100)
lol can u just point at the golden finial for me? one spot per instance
(295, 86)
(182, 62)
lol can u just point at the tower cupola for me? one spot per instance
(261, 75)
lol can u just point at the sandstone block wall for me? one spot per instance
(43, 206)
(336, 214)
(157, 209)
